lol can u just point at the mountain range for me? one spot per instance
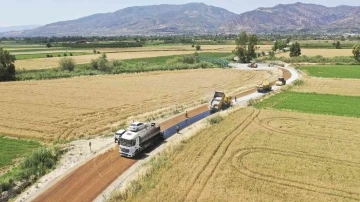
(199, 18)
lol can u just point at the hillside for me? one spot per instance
(199, 18)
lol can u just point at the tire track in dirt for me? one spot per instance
(265, 124)
(232, 135)
(238, 164)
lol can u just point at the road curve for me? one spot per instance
(89, 180)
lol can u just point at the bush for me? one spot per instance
(298, 82)
(215, 119)
(98, 52)
(102, 64)
(94, 64)
(67, 64)
(65, 54)
(38, 163)
(117, 63)
(190, 59)
(59, 55)
(94, 51)
(71, 54)
(47, 55)
(198, 47)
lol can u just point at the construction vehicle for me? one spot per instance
(132, 143)
(220, 101)
(253, 65)
(118, 135)
(281, 81)
(263, 86)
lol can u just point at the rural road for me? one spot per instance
(89, 181)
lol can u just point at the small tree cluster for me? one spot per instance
(337, 45)
(7, 67)
(356, 52)
(295, 50)
(279, 45)
(246, 45)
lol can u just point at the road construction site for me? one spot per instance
(95, 179)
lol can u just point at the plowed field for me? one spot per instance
(83, 106)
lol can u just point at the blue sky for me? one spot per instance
(29, 12)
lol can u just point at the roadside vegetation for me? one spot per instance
(332, 71)
(24, 161)
(314, 103)
(312, 59)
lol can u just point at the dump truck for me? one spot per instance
(281, 81)
(220, 101)
(253, 65)
(118, 135)
(263, 86)
(132, 143)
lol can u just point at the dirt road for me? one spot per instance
(89, 180)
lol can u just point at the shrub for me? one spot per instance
(198, 47)
(98, 52)
(94, 64)
(117, 63)
(298, 82)
(47, 55)
(190, 59)
(94, 51)
(65, 54)
(102, 64)
(67, 64)
(215, 119)
(38, 163)
(71, 54)
(59, 55)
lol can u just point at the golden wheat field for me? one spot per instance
(260, 155)
(350, 87)
(322, 52)
(83, 106)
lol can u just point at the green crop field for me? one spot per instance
(333, 71)
(314, 103)
(44, 55)
(11, 149)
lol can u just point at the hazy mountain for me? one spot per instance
(18, 28)
(298, 16)
(199, 18)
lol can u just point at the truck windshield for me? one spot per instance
(127, 143)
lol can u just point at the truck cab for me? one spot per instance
(118, 135)
(129, 144)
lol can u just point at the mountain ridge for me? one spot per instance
(199, 18)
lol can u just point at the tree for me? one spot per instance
(7, 67)
(198, 47)
(295, 50)
(246, 46)
(338, 45)
(67, 64)
(48, 44)
(356, 52)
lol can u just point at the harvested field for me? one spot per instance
(261, 155)
(323, 52)
(83, 106)
(349, 87)
(43, 63)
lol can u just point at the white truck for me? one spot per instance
(132, 143)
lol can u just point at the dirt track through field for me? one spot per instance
(89, 180)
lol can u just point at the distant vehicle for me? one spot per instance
(136, 126)
(263, 86)
(281, 81)
(220, 101)
(132, 143)
(118, 135)
(253, 65)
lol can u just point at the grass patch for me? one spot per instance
(215, 119)
(333, 71)
(46, 55)
(11, 149)
(314, 103)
